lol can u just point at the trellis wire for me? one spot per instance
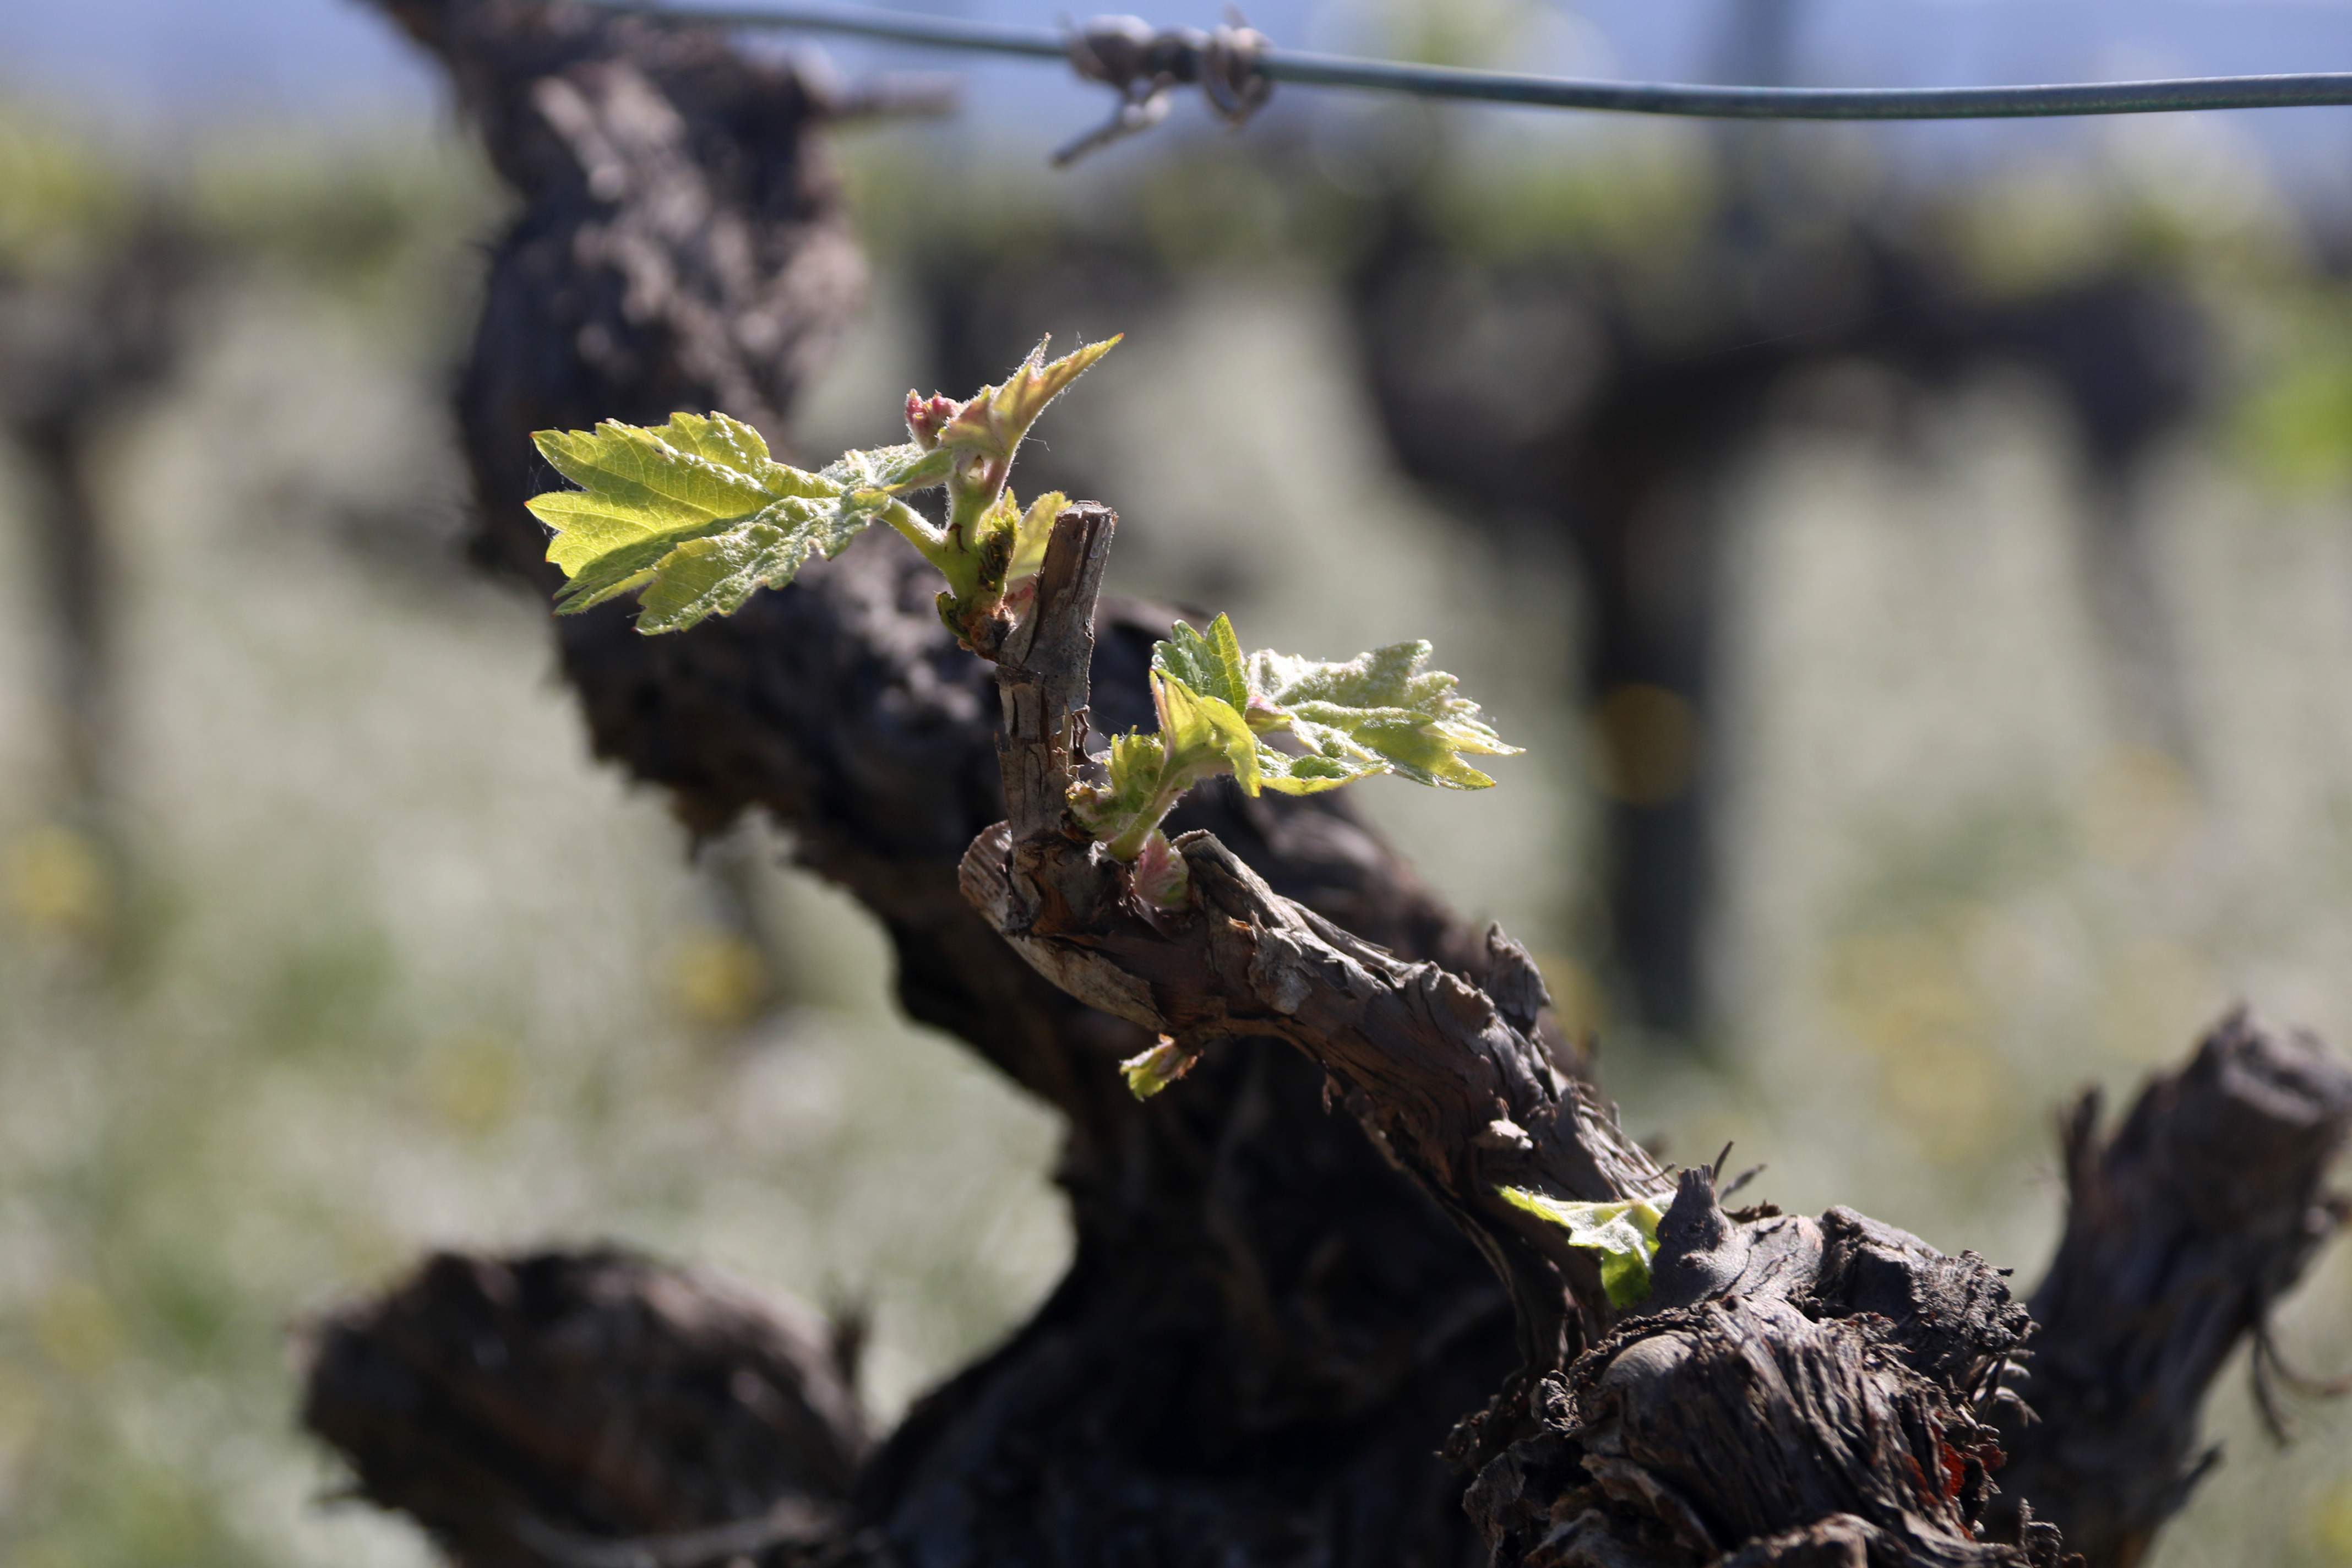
(1695, 99)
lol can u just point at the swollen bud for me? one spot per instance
(925, 417)
(1162, 878)
(996, 557)
(1156, 1069)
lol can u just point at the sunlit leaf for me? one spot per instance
(695, 516)
(1378, 712)
(1151, 1072)
(1624, 1234)
(634, 487)
(1201, 731)
(993, 422)
(713, 577)
(1210, 663)
(1035, 531)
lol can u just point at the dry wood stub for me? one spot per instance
(2183, 1229)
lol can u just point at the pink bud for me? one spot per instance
(1156, 1069)
(926, 417)
(1162, 878)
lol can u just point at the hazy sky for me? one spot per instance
(157, 65)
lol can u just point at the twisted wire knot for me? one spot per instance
(1145, 66)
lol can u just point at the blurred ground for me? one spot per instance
(378, 960)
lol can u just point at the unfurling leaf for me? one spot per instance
(1035, 530)
(1210, 663)
(1378, 712)
(993, 421)
(1200, 729)
(695, 515)
(1162, 878)
(891, 471)
(1624, 1234)
(1135, 766)
(1199, 737)
(1151, 1072)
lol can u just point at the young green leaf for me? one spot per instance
(1199, 737)
(1210, 663)
(636, 488)
(695, 515)
(1149, 1072)
(1036, 528)
(1204, 732)
(1379, 712)
(1135, 764)
(993, 421)
(1625, 1234)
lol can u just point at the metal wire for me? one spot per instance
(864, 22)
(1815, 102)
(1690, 99)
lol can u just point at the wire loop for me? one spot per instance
(1145, 66)
(1232, 74)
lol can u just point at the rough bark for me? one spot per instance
(1783, 1375)
(681, 243)
(571, 1408)
(1313, 1324)
(1795, 1391)
(2183, 1229)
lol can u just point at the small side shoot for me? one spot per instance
(694, 516)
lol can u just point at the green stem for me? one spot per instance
(1146, 822)
(967, 501)
(1129, 844)
(926, 539)
(936, 546)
